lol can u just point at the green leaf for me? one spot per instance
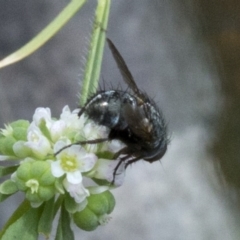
(95, 54)
(25, 227)
(8, 187)
(45, 222)
(7, 170)
(64, 230)
(19, 212)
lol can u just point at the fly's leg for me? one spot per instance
(132, 161)
(122, 160)
(95, 141)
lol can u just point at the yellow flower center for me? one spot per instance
(69, 162)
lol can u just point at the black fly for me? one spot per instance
(132, 117)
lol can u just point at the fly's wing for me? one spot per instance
(138, 122)
(126, 74)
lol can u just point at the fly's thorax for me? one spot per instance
(105, 108)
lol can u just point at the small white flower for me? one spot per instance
(114, 146)
(76, 191)
(37, 142)
(92, 131)
(104, 169)
(71, 119)
(57, 130)
(72, 161)
(69, 124)
(42, 113)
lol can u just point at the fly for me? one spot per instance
(131, 116)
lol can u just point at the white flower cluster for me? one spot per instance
(47, 136)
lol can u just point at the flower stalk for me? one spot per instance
(95, 53)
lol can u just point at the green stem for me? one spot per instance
(47, 33)
(94, 59)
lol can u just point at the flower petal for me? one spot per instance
(60, 144)
(42, 113)
(89, 160)
(82, 205)
(104, 169)
(37, 142)
(57, 129)
(56, 169)
(74, 177)
(76, 191)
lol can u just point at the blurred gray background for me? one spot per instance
(174, 51)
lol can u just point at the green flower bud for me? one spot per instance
(20, 123)
(35, 178)
(86, 219)
(102, 203)
(47, 178)
(23, 172)
(111, 201)
(6, 145)
(46, 193)
(20, 150)
(20, 133)
(32, 197)
(98, 203)
(38, 168)
(21, 185)
(95, 214)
